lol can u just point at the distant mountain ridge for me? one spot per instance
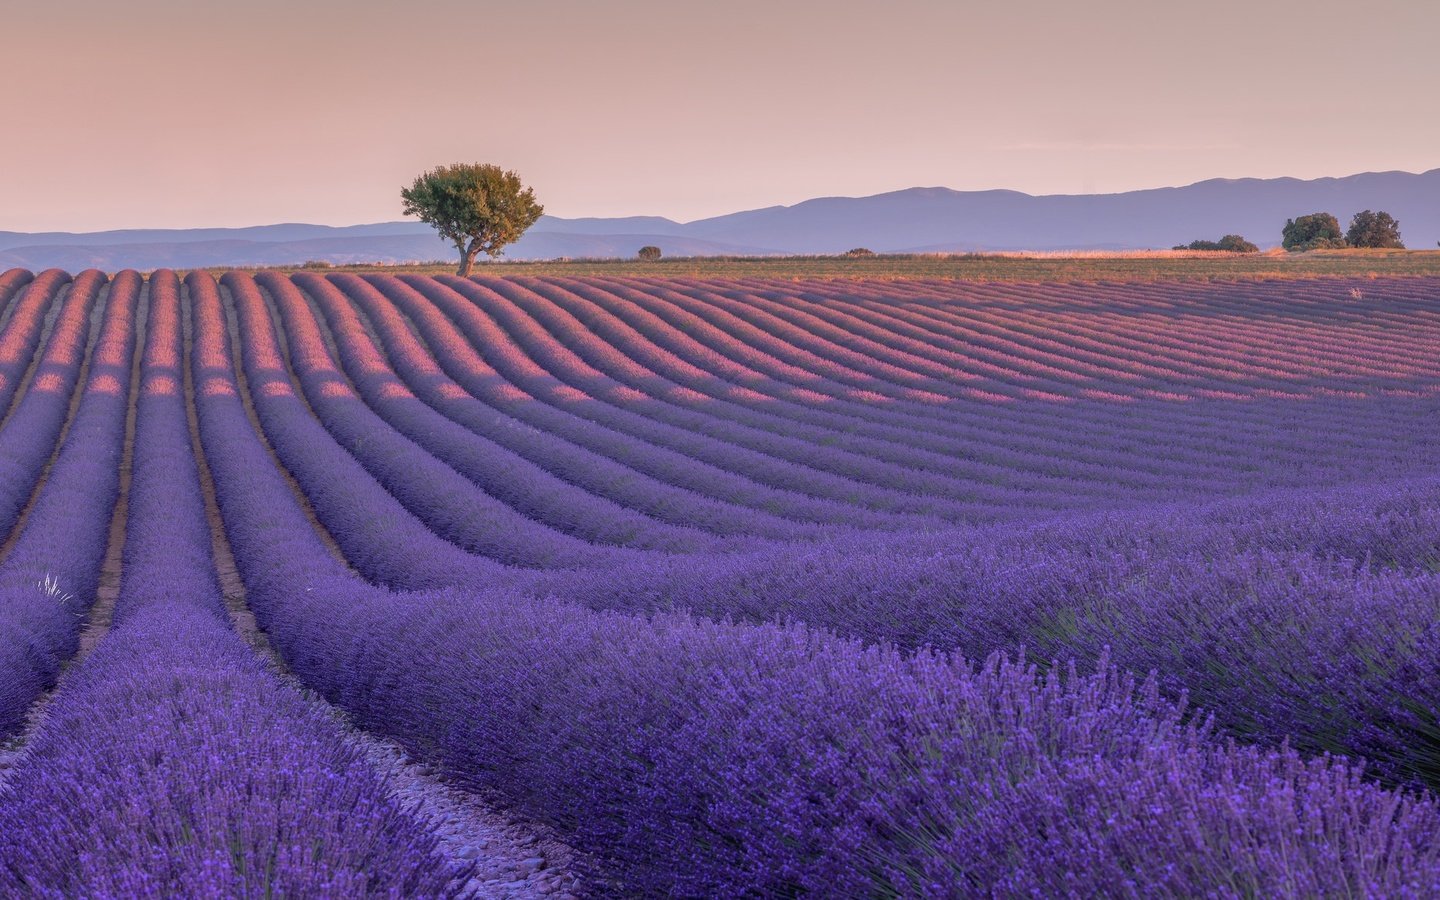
(918, 220)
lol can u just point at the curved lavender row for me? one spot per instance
(680, 457)
(1050, 323)
(1331, 686)
(1206, 351)
(516, 481)
(988, 354)
(166, 558)
(1061, 346)
(12, 282)
(1036, 350)
(671, 317)
(20, 339)
(446, 501)
(28, 440)
(1206, 477)
(1067, 448)
(709, 426)
(886, 329)
(1204, 330)
(1348, 663)
(572, 448)
(648, 331)
(730, 317)
(964, 422)
(1091, 414)
(1368, 435)
(49, 579)
(972, 598)
(777, 413)
(848, 342)
(244, 788)
(1037, 420)
(711, 759)
(585, 422)
(383, 540)
(14, 279)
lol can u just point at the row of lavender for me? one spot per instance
(1340, 581)
(818, 461)
(171, 760)
(698, 757)
(682, 735)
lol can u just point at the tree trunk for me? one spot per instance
(467, 261)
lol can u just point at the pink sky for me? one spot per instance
(159, 113)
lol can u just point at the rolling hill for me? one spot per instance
(915, 220)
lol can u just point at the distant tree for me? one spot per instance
(1230, 243)
(649, 253)
(1317, 231)
(480, 208)
(1234, 243)
(859, 251)
(1375, 231)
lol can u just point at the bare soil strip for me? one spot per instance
(511, 858)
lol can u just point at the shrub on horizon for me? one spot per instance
(858, 252)
(1230, 243)
(1317, 231)
(649, 253)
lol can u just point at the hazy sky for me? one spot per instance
(159, 113)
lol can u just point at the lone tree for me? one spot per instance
(1375, 231)
(1317, 231)
(649, 253)
(477, 207)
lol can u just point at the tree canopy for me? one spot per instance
(1230, 243)
(649, 253)
(478, 207)
(1316, 231)
(1374, 230)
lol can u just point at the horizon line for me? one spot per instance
(823, 197)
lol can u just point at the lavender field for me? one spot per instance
(717, 588)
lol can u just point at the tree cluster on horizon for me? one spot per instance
(1321, 231)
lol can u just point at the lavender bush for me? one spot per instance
(702, 757)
